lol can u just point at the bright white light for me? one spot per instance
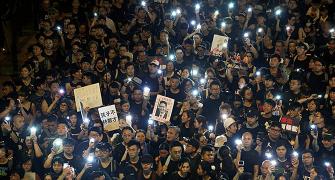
(223, 24)
(197, 6)
(90, 158)
(288, 28)
(246, 35)
(129, 79)
(216, 12)
(260, 30)
(95, 14)
(231, 5)
(268, 155)
(195, 92)
(61, 91)
(150, 122)
(178, 11)
(313, 126)
(225, 45)
(128, 118)
(7, 118)
(210, 128)
(171, 57)
(92, 140)
(143, 3)
(202, 81)
(198, 26)
(273, 162)
(320, 96)
(278, 12)
(67, 117)
(278, 97)
(86, 120)
(295, 154)
(249, 9)
(58, 142)
(224, 116)
(238, 141)
(33, 130)
(193, 22)
(174, 13)
(327, 164)
(194, 72)
(159, 71)
(258, 73)
(59, 28)
(332, 30)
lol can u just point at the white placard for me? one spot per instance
(162, 109)
(89, 95)
(109, 118)
(219, 43)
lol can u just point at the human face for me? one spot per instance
(247, 140)
(215, 90)
(265, 168)
(127, 135)
(137, 95)
(68, 149)
(200, 171)
(153, 68)
(281, 151)
(295, 85)
(274, 62)
(162, 107)
(62, 130)
(146, 166)
(307, 159)
(37, 51)
(185, 168)
(179, 54)
(140, 137)
(274, 132)
(133, 151)
(130, 71)
(25, 72)
(208, 156)
(57, 167)
(174, 83)
(318, 67)
(18, 122)
(176, 152)
(96, 136)
(185, 118)
(27, 166)
(171, 135)
(232, 128)
(301, 51)
(197, 124)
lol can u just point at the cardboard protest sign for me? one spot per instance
(288, 124)
(162, 109)
(89, 96)
(219, 43)
(109, 118)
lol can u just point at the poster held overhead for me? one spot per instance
(109, 118)
(89, 96)
(163, 109)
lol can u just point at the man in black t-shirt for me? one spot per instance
(247, 155)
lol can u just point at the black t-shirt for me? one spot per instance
(211, 109)
(176, 176)
(250, 159)
(4, 171)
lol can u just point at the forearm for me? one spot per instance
(315, 145)
(47, 162)
(38, 152)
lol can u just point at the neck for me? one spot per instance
(282, 159)
(67, 155)
(134, 160)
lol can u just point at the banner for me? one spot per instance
(89, 96)
(162, 109)
(219, 43)
(288, 124)
(109, 118)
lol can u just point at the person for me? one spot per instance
(146, 172)
(162, 111)
(169, 165)
(183, 170)
(129, 168)
(247, 155)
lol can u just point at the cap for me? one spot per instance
(103, 146)
(220, 140)
(242, 14)
(269, 77)
(193, 142)
(252, 113)
(147, 158)
(270, 102)
(228, 122)
(327, 137)
(164, 146)
(155, 62)
(303, 45)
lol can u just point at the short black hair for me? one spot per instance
(133, 142)
(207, 148)
(95, 129)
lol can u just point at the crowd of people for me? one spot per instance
(263, 109)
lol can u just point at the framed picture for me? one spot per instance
(162, 109)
